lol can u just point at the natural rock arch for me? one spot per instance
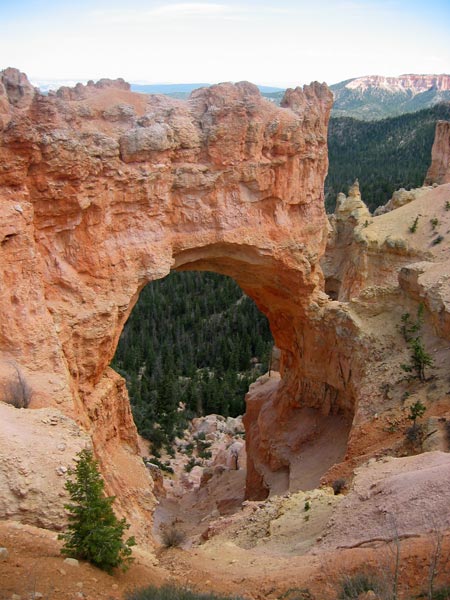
(103, 190)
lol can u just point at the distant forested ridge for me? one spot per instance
(193, 340)
(384, 155)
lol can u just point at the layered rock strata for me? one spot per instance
(103, 190)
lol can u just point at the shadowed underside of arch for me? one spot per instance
(103, 190)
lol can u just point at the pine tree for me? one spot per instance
(94, 532)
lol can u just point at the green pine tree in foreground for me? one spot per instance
(94, 532)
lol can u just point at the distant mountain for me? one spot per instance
(167, 88)
(384, 155)
(376, 97)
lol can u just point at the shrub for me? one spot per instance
(416, 411)
(447, 430)
(297, 594)
(172, 537)
(193, 462)
(413, 226)
(441, 594)
(205, 454)
(189, 448)
(434, 223)
(153, 460)
(170, 592)
(407, 328)
(352, 586)
(437, 240)
(416, 435)
(419, 356)
(94, 532)
(16, 390)
(338, 485)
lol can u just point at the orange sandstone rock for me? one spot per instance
(439, 171)
(103, 190)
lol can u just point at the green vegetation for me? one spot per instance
(384, 155)
(413, 227)
(416, 434)
(440, 594)
(192, 346)
(94, 532)
(419, 356)
(416, 411)
(192, 462)
(154, 461)
(171, 592)
(434, 222)
(408, 328)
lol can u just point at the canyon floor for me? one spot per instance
(288, 546)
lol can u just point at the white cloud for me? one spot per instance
(187, 10)
(197, 9)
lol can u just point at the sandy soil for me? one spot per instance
(34, 565)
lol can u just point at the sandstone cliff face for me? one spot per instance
(103, 190)
(439, 171)
(379, 268)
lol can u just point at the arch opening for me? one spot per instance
(192, 345)
(189, 351)
(316, 421)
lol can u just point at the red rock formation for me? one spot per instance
(439, 171)
(103, 190)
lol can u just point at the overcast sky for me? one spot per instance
(268, 42)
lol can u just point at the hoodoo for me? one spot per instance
(439, 171)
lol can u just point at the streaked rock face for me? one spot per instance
(103, 190)
(439, 171)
